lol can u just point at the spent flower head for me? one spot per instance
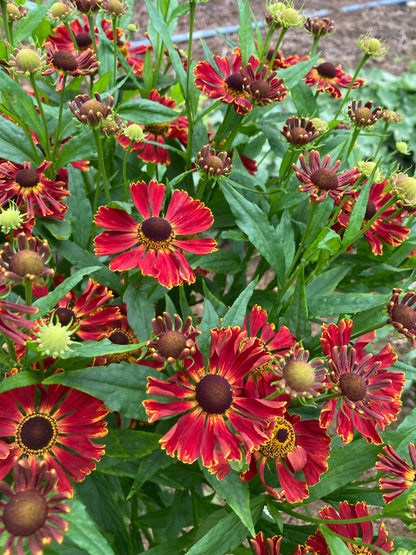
(89, 110)
(372, 47)
(213, 163)
(390, 116)
(363, 115)
(320, 27)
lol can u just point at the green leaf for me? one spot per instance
(227, 533)
(245, 31)
(21, 379)
(345, 464)
(91, 349)
(210, 320)
(236, 494)
(335, 544)
(344, 303)
(14, 144)
(295, 74)
(328, 240)
(80, 207)
(121, 386)
(146, 111)
(235, 316)
(130, 443)
(326, 283)
(45, 304)
(60, 229)
(253, 221)
(275, 513)
(221, 261)
(358, 213)
(80, 147)
(84, 532)
(141, 310)
(296, 317)
(21, 104)
(148, 467)
(30, 23)
(304, 100)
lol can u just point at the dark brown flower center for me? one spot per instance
(299, 135)
(64, 60)
(327, 70)
(83, 40)
(325, 179)
(36, 434)
(214, 394)
(156, 229)
(25, 513)
(404, 315)
(119, 338)
(363, 116)
(371, 210)
(353, 386)
(94, 106)
(157, 129)
(260, 88)
(27, 178)
(299, 375)
(282, 442)
(64, 316)
(171, 344)
(212, 164)
(27, 262)
(235, 82)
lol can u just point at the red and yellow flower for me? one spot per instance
(295, 446)
(58, 428)
(329, 78)
(357, 530)
(155, 244)
(218, 408)
(401, 475)
(271, 546)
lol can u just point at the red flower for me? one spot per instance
(387, 227)
(321, 180)
(361, 530)
(391, 463)
(30, 514)
(402, 314)
(272, 547)
(328, 78)
(86, 311)
(263, 87)
(157, 133)
(11, 318)
(61, 38)
(295, 446)
(368, 394)
(216, 403)
(58, 428)
(281, 61)
(158, 242)
(66, 62)
(173, 340)
(225, 82)
(32, 191)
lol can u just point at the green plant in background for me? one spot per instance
(207, 271)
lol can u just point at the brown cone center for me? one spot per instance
(325, 179)
(235, 81)
(214, 164)
(171, 344)
(404, 315)
(83, 40)
(299, 135)
(94, 106)
(37, 433)
(27, 262)
(327, 70)
(299, 375)
(363, 116)
(260, 88)
(156, 229)
(27, 178)
(25, 513)
(119, 338)
(64, 316)
(353, 386)
(214, 394)
(65, 60)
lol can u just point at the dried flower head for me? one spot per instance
(91, 110)
(27, 60)
(212, 163)
(115, 8)
(364, 116)
(390, 116)
(405, 187)
(402, 314)
(263, 87)
(372, 46)
(299, 131)
(320, 27)
(87, 6)
(111, 126)
(15, 12)
(25, 261)
(174, 340)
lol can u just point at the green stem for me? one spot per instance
(42, 115)
(314, 45)
(6, 25)
(28, 293)
(101, 165)
(353, 140)
(57, 133)
(276, 49)
(328, 522)
(91, 25)
(189, 82)
(115, 50)
(360, 65)
(382, 137)
(292, 155)
(71, 33)
(126, 188)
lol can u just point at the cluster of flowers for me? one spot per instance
(236, 408)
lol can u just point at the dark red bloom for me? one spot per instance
(402, 314)
(216, 404)
(361, 530)
(296, 446)
(155, 244)
(328, 78)
(263, 87)
(401, 475)
(58, 428)
(67, 62)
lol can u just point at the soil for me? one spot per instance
(395, 23)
